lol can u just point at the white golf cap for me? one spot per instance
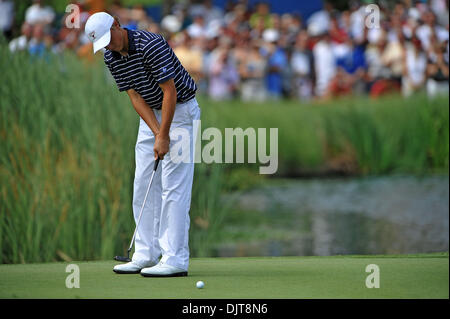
(98, 29)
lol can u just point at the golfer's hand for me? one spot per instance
(161, 146)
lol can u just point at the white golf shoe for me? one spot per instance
(163, 270)
(133, 267)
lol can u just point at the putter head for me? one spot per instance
(122, 259)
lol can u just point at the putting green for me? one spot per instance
(408, 276)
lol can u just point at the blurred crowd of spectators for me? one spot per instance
(251, 53)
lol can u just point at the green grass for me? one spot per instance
(415, 276)
(352, 136)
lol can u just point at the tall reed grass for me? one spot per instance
(67, 164)
(351, 136)
(67, 155)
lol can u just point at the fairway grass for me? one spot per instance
(407, 276)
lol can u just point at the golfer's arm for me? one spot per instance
(168, 106)
(144, 111)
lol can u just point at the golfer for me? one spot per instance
(163, 94)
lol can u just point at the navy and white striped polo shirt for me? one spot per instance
(150, 61)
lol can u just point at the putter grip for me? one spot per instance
(156, 164)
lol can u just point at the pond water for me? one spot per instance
(372, 215)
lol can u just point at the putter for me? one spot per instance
(127, 258)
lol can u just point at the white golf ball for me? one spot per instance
(200, 284)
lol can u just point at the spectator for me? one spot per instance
(39, 14)
(190, 56)
(345, 22)
(154, 27)
(207, 58)
(198, 28)
(415, 68)
(276, 63)
(295, 25)
(381, 79)
(224, 77)
(207, 10)
(324, 60)
(438, 72)
(338, 35)
(72, 38)
(352, 69)
(302, 67)
(357, 20)
(240, 51)
(138, 17)
(211, 12)
(237, 12)
(6, 17)
(440, 9)
(262, 16)
(322, 17)
(171, 24)
(428, 29)
(257, 31)
(393, 56)
(118, 10)
(37, 46)
(252, 72)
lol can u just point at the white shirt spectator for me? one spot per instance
(197, 31)
(39, 14)
(357, 20)
(416, 66)
(301, 67)
(6, 15)
(340, 50)
(374, 34)
(325, 66)
(321, 19)
(300, 63)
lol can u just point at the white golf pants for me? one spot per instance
(164, 227)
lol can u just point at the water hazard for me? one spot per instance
(373, 215)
